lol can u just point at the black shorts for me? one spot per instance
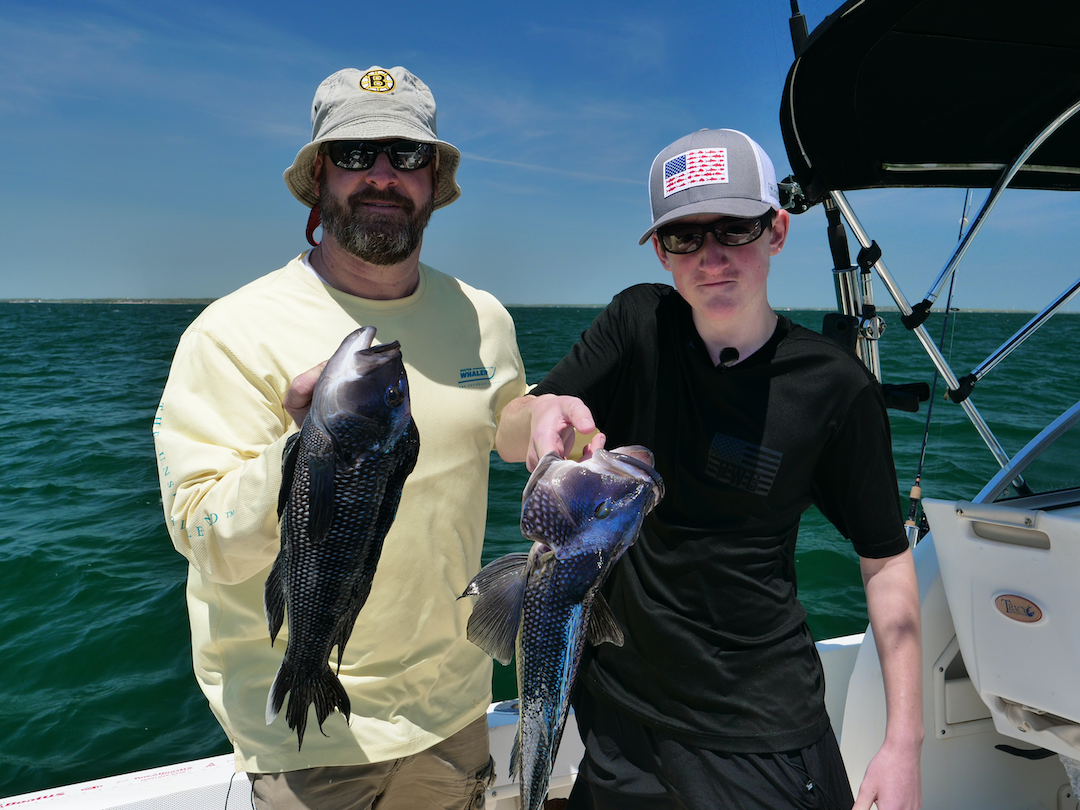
(629, 766)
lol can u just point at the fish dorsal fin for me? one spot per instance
(602, 624)
(500, 586)
(321, 468)
(288, 470)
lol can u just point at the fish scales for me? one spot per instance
(341, 486)
(543, 606)
(349, 553)
(550, 646)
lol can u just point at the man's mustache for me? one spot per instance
(375, 196)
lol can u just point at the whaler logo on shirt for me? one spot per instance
(476, 377)
(743, 465)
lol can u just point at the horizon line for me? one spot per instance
(206, 301)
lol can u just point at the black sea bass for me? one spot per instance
(342, 476)
(545, 604)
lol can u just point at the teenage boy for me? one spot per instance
(716, 699)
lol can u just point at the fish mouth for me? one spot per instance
(634, 461)
(382, 348)
(354, 359)
(351, 357)
(358, 341)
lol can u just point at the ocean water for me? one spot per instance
(96, 676)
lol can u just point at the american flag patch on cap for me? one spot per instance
(698, 167)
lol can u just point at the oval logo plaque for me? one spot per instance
(1018, 608)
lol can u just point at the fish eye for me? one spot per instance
(394, 396)
(603, 510)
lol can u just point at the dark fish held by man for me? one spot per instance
(542, 606)
(342, 476)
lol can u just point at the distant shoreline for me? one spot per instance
(188, 301)
(205, 301)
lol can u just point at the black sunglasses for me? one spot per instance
(357, 156)
(686, 238)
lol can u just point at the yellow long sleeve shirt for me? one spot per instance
(412, 676)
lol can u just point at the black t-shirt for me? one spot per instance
(717, 650)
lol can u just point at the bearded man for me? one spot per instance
(241, 384)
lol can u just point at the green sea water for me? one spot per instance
(96, 660)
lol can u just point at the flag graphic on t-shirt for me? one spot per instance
(698, 167)
(743, 465)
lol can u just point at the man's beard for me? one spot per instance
(376, 237)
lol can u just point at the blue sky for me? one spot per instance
(143, 145)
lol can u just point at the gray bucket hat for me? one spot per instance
(712, 171)
(354, 105)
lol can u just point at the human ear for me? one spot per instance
(316, 171)
(779, 231)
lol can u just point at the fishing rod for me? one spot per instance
(913, 530)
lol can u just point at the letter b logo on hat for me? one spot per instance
(377, 81)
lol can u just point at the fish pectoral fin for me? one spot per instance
(602, 624)
(500, 586)
(288, 470)
(321, 494)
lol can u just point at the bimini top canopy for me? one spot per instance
(892, 93)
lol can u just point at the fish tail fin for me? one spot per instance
(329, 694)
(274, 601)
(325, 691)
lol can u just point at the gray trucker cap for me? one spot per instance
(712, 171)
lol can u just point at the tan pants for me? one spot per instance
(452, 775)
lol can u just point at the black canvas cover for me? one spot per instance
(889, 93)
